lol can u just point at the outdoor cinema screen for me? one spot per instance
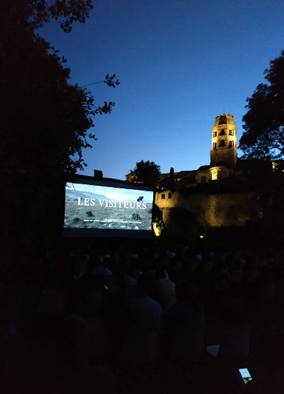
(105, 208)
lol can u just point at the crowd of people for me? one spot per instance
(124, 317)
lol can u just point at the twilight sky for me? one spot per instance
(180, 63)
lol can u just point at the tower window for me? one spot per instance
(163, 196)
(222, 119)
(214, 145)
(231, 144)
(215, 134)
(231, 132)
(222, 132)
(170, 195)
(222, 143)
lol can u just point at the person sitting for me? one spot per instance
(74, 374)
(102, 268)
(164, 289)
(185, 325)
(130, 277)
(140, 324)
(143, 310)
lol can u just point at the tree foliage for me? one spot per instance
(46, 121)
(264, 120)
(29, 15)
(146, 172)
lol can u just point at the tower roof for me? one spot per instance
(224, 119)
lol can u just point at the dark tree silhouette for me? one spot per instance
(29, 15)
(46, 122)
(264, 139)
(264, 120)
(146, 172)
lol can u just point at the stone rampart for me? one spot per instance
(212, 210)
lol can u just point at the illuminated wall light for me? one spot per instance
(157, 230)
(214, 175)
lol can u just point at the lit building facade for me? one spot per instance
(184, 191)
(223, 156)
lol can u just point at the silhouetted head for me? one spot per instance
(160, 273)
(52, 302)
(144, 284)
(185, 291)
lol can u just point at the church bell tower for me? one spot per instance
(224, 142)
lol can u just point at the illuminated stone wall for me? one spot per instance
(211, 210)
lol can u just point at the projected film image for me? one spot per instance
(105, 207)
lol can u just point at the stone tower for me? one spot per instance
(224, 142)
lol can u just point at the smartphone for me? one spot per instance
(246, 376)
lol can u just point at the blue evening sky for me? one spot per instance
(180, 63)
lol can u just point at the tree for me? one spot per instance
(264, 139)
(29, 15)
(264, 121)
(45, 120)
(146, 172)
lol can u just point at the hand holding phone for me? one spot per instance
(245, 375)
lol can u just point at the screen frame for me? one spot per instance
(108, 233)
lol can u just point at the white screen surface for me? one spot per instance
(98, 207)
